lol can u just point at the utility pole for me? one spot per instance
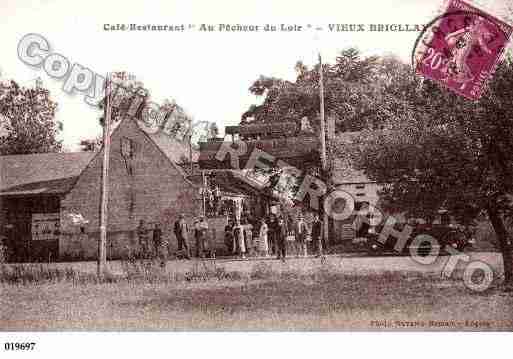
(190, 154)
(324, 159)
(204, 181)
(104, 199)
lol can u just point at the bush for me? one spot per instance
(34, 273)
(144, 271)
(205, 270)
(45, 273)
(262, 270)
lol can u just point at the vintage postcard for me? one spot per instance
(255, 166)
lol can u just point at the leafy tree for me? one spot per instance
(178, 124)
(451, 153)
(349, 90)
(29, 124)
(435, 148)
(131, 97)
(128, 97)
(354, 96)
(213, 130)
(91, 145)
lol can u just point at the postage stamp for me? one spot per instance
(461, 48)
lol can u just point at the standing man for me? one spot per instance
(211, 204)
(273, 234)
(301, 232)
(143, 234)
(3, 248)
(159, 245)
(228, 237)
(181, 232)
(11, 253)
(201, 236)
(281, 239)
(317, 234)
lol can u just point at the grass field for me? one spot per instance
(302, 294)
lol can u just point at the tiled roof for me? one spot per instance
(173, 148)
(229, 181)
(295, 151)
(41, 173)
(56, 173)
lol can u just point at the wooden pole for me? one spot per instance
(203, 193)
(190, 154)
(323, 122)
(324, 159)
(102, 244)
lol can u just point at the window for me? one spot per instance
(360, 205)
(128, 150)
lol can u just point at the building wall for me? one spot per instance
(18, 214)
(346, 230)
(3, 216)
(147, 186)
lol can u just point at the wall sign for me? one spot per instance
(45, 226)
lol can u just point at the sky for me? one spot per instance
(207, 73)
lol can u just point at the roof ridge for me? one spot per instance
(148, 136)
(50, 154)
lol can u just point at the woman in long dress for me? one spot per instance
(238, 233)
(263, 247)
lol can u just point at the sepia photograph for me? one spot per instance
(327, 166)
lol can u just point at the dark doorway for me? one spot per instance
(363, 231)
(21, 247)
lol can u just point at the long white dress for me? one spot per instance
(238, 233)
(263, 241)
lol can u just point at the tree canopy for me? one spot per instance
(452, 153)
(131, 97)
(353, 93)
(28, 120)
(435, 149)
(358, 94)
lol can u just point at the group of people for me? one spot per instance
(153, 246)
(271, 235)
(200, 231)
(266, 237)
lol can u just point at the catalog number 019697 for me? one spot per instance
(11, 346)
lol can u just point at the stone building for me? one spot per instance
(49, 203)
